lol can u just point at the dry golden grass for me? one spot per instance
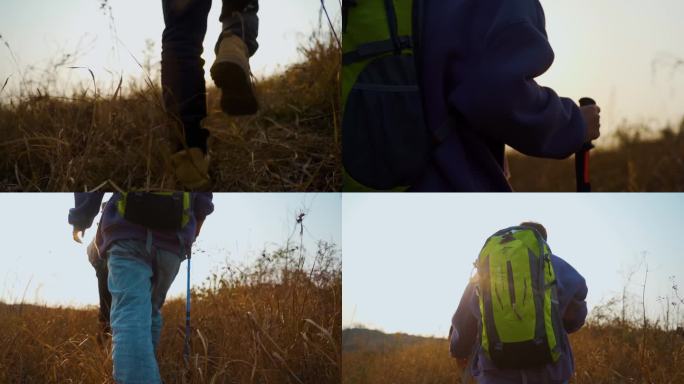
(277, 321)
(604, 354)
(615, 354)
(81, 142)
(633, 164)
(426, 361)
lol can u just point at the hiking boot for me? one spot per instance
(232, 75)
(191, 168)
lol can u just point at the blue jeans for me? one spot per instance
(138, 281)
(182, 67)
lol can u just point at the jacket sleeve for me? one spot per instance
(573, 296)
(499, 97)
(576, 313)
(203, 206)
(86, 207)
(463, 330)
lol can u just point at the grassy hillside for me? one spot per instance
(277, 321)
(119, 138)
(370, 356)
(634, 163)
(361, 339)
(609, 353)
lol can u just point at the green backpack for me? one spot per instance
(165, 211)
(516, 286)
(386, 144)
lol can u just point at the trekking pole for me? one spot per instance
(582, 157)
(465, 377)
(186, 348)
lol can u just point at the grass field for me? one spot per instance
(119, 137)
(617, 345)
(604, 354)
(635, 161)
(276, 321)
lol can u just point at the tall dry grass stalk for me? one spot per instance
(276, 321)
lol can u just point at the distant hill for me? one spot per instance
(361, 339)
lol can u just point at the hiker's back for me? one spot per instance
(569, 282)
(469, 24)
(518, 300)
(518, 311)
(477, 65)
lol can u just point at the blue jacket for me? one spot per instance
(466, 323)
(477, 64)
(114, 227)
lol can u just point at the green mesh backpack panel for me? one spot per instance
(516, 285)
(385, 142)
(166, 211)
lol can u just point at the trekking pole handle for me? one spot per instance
(582, 157)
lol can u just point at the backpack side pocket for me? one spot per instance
(384, 138)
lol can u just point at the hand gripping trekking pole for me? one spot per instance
(582, 157)
(186, 348)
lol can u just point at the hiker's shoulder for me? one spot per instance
(519, 9)
(560, 263)
(511, 19)
(562, 267)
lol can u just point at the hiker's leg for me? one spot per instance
(130, 284)
(102, 273)
(182, 69)
(236, 44)
(239, 17)
(166, 268)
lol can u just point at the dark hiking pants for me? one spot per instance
(182, 67)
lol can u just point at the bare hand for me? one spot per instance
(592, 116)
(462, 363)
(75, 235)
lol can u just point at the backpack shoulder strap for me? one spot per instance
(395, 43)
(346, 4)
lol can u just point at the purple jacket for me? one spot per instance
(465, 325)
(477, 64)
(114, 227)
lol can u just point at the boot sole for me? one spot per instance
(237, 93)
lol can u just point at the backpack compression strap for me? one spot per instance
(376, 48)
(394, 44)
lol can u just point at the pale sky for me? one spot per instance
(606, 49)
(41, 263)
(408, 257)
(40, 31)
